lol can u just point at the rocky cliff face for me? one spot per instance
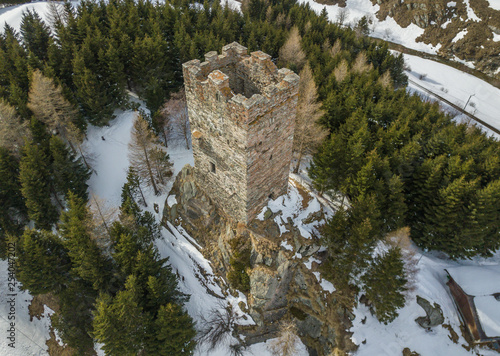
(280, 284)
(476, 24)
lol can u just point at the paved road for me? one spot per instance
(494, 129)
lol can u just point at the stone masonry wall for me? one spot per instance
(241, 110)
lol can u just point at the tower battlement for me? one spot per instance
(241, 111)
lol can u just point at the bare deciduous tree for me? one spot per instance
(150, 162)
(216, 327)
(385, 80)
(291, 54)
(103, 214)
(287, 341)
(48, 104)
(342, 16)
(12, 131)
(308, 132)
(176, 109)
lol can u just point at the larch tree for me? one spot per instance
(12, 131)
(48, 104)
(291, 54)
(286, 344)
(151, 163)
(308, 133)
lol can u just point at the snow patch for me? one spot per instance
(309, 262)
(456, 86)
(171, 201)
(459, 35)
(470, 13)
(488, 311)
(451, 4)
(327, 286)
(286, 246)
(494, 4)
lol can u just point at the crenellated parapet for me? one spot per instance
(242, 109)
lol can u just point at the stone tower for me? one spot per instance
(241, 112)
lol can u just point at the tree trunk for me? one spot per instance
(102, 217)
(151, 176)
(296, 169)
(142, 195)
(54, 193)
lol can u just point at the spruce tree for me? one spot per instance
(69, 173)
(36, 35)
(12, 204)
(119, 322)
(385, 284)
(174, 332)
(88, 261)
(34, 175)
(43, 264)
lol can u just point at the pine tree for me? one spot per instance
(73, 321)
(43, 264)
(132, 188)
(385, 284)
(34, 175)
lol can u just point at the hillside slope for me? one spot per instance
(464, 30)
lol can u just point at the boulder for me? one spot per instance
(434, 313)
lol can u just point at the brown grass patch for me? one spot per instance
(57, 350)
(453, 335)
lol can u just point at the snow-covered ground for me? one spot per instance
(404, 332)
(109, 159)
(29, 337)
(457, 87)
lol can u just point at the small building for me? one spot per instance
(241, 111)
(476, 293)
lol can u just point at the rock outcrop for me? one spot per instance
(434, 314)
(280, 284)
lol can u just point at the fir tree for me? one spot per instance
(385, 284)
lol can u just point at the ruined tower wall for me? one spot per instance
(242, 112)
